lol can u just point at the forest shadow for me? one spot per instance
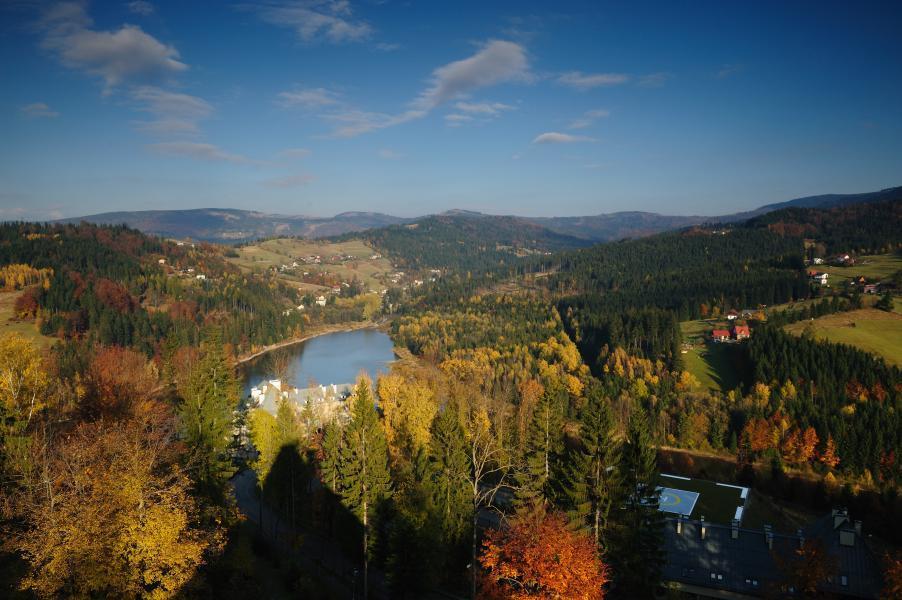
(295, 540)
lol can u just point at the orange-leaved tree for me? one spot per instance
(539, 557)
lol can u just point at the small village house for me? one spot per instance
(741, 332)
(720, 335)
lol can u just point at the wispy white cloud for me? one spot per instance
(587, 81)
(38, 110)
(140, 7)
(497, 62)
(353, 122)
(494, 63)
(588, 118)
(200, 151)
(308, 98)
(290, 181)
(316, 20)
(387, 47)
(389, 154)
(655, 79)
(457, 119)
(553, 137)
(490, 109)
(117, 56)
(174, 113)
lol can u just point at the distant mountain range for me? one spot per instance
(233, 225)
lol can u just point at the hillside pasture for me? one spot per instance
(713, 365)
(874, 267)
(10, 324)
(868, 329)
(283, 251)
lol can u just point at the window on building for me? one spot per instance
(844, 580)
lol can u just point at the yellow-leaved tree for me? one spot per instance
(111, 515)
(409, 407)
(23, 380)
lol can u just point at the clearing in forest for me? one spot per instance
(868, 329)
(342, 261)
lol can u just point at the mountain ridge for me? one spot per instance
(231, 225)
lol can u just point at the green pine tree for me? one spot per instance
(330, 462)
(206, 412)
(592, 485)
(541, 451)
(638, 555)
(364, 466)
(450, 474)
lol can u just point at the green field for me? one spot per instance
(9, 324)
(711, 364)
(876, 267)
(272, 253)
(869, 329)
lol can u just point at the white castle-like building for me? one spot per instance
(324, 402)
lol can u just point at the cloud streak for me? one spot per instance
(314, 21)
(140, 7)
(554, 137)
(307, 98)
(199, 151)
(39, 110)
(589, 118)
(494, 63)
(587, 81)
(174, 113)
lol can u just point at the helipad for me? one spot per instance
(676, 501)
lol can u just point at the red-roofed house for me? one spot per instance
(720, 335)
(741, 332)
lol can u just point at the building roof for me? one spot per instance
(720, 333)
(744, 329)
(745, 564)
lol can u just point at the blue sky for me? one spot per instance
(323, 106)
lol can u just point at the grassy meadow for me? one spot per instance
(869, 329)
(272, 253)
(10, 324)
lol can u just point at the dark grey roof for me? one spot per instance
(746, 565)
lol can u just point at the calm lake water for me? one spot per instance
(333, 358)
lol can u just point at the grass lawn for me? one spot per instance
(879, 266)
(711, 364)
(272, 253)
(9, 324)
(869, 329)
(717, 503)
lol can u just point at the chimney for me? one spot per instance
(840, 516)
(734, 529)
(769, 536)
(679, 524)
(704, 529)
(801, 535)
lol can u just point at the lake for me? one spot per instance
(331, 358)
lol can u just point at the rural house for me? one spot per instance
(720, 335)
(741, 332)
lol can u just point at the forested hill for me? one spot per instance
(115, 285)
(467, 241)
(867, 228)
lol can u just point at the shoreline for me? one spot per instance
(338, 328)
